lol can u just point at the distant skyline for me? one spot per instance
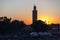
(48, 10)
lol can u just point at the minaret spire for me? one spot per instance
(34, 7)
(34, 14)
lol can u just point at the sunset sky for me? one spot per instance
(48, 10)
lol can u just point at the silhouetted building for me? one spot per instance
(34, 14)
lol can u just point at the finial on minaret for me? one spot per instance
(34, 6)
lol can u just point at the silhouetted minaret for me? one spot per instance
(34, 14)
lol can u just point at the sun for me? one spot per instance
(45, 19)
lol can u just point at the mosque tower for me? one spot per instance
(34, 14)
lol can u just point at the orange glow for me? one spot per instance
(46, 19)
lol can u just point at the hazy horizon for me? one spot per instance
(48, 10)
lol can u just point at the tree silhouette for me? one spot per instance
(8, 26)
(4, 24)
(17, 25)
(39, 26)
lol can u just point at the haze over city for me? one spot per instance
(48, 10)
